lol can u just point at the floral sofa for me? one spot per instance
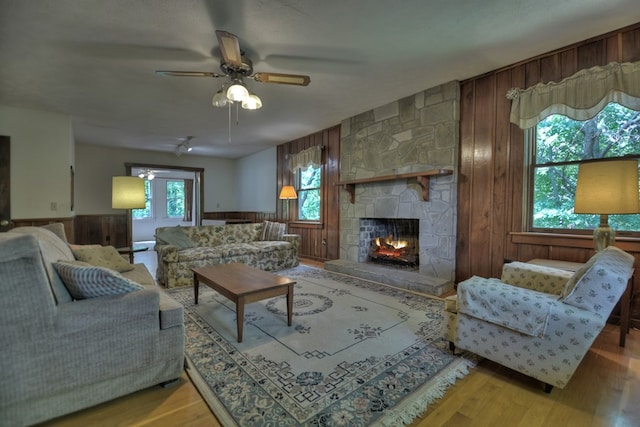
(262, 245)
(537, 320)
(61, 352)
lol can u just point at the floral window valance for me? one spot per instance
(580, 96)
(309, 157)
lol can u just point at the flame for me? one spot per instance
(397, 244)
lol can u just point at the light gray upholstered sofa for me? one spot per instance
(537, 320)
(59, 355)
(261, 245)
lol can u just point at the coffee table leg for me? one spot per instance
(196, 286)
(289, 304)
(240, 316)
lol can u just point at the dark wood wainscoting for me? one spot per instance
(250, 216)
(101, 230)
(490, 189)
(68, 225)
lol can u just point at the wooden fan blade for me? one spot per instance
(285, 79)
(187, 73)
(230, 47)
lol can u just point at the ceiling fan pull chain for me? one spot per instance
(229, 104)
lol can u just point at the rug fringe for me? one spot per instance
(405, 413)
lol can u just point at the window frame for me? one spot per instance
(297, 185)
(530, 166)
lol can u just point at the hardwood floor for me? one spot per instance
(605, 391)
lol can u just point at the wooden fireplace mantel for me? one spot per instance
(422, 177)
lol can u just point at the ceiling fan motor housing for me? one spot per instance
(245, 69)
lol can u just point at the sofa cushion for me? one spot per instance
(273, 231)
(176, 237)
(87, 281)
(102, 256)
(52, 249)
(57, 228)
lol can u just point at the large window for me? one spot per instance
(309, 181)
(560, 144)
(175, 198)
(147, 212)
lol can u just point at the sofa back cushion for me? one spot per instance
(27, 304)
(52, 249)
(241, 233)
(598, 285)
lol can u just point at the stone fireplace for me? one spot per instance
(413, 134)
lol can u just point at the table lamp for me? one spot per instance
(127, 192)
(607, 187)
(287, 193)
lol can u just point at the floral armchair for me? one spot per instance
(538, 320)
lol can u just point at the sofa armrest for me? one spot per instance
(294, 239)
(93, 314)
(168, 253)
(519, 309)
(535, 277)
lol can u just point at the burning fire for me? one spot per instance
(397, 244)
(389, 247)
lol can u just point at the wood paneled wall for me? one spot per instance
(105, 230)
(492, 158)
(318, 240)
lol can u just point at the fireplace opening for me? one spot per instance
(393, 242)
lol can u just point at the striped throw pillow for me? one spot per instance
(87, 281)
(273, 231)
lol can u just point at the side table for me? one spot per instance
(130, 251)
(625, 300)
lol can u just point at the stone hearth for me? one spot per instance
(413, 134)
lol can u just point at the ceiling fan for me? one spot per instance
(236, 65)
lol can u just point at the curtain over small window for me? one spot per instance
(580, 96)
(188, 200)
(310, 157)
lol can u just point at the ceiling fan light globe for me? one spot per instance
(219, 99)
(237, 92)
(150, 176)
(252, 102)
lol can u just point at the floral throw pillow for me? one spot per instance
(87, 281)
(102, 256)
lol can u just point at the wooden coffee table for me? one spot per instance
(243, 284)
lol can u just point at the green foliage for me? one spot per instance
(560, 142)
(175, 199)
(146, 212)
(309, 194)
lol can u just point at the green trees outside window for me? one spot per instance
(146, 212)
(175, 199)
(309, 193)
(561, 144)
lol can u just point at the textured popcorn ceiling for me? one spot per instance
(95, 59)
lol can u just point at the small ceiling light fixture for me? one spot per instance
(251, 102)
(147, 173)
(220, 99)
(237, 91)
(184, 146)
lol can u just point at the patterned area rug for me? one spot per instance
(358, 354)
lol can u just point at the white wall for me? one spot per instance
(42, 152)
(96, 165)
(256, 176)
